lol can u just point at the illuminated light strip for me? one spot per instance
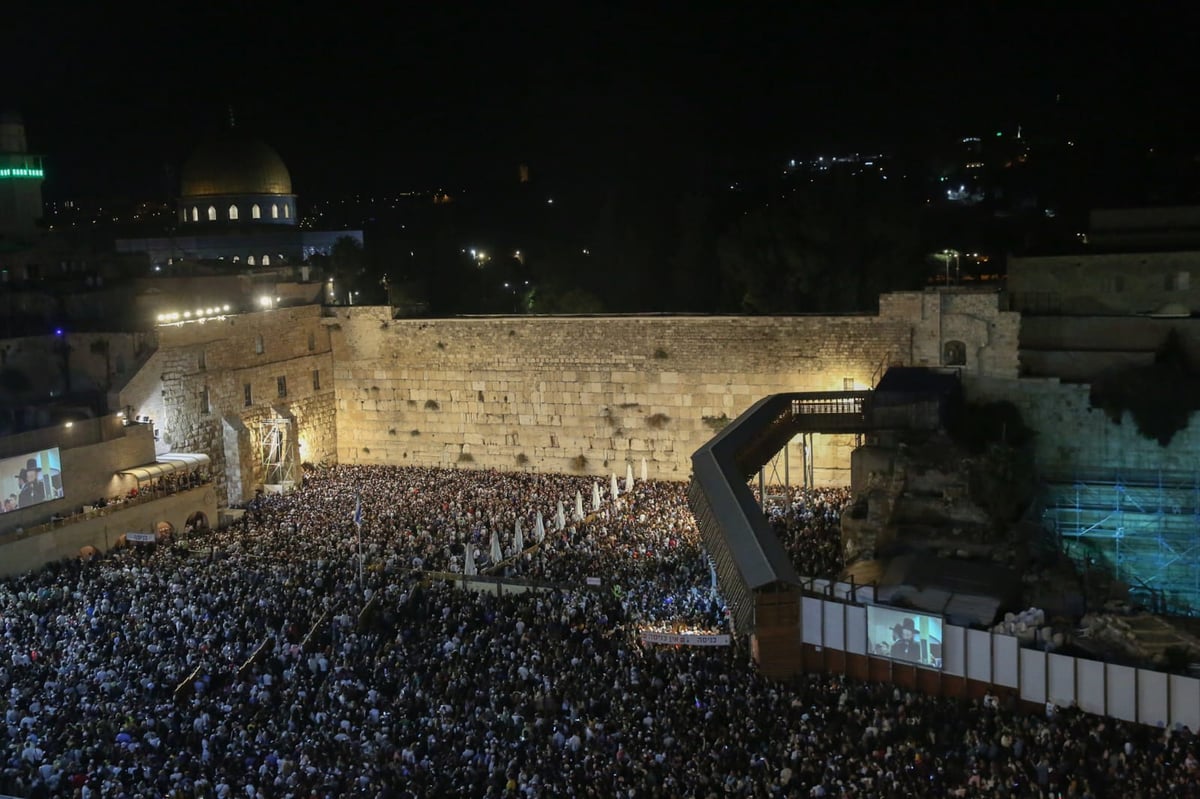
(21, 172)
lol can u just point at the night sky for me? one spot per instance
(417, 98)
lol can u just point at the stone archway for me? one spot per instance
(164, 530)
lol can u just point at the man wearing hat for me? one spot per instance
(907, 647)
(33, 490)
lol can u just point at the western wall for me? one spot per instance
(595, 394)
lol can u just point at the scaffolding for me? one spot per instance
(278, 455)
(774, 481)
(1142, 527)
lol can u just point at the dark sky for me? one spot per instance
(449, 95)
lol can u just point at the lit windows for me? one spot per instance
(233, 213)
(195, 214)
(250, 260)
(274, 211)
(259, 346)
(212, 213)
(255, 212)
(266, 260)
(287, 211)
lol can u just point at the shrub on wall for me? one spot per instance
(431, 405)
(522, 459)
(466, 457)
(658, 421)
(716, 422)
(579, 463)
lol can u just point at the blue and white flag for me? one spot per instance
(358, 509)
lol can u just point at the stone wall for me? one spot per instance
(44, 360)
(1105, 283)
(1073, 436)
(103, 531)
(989, 335)
(584, 394)
(214, 383)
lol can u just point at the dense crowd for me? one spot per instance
(262, 668)
(807, 522)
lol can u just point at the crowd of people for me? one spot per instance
(807, 522)
(262, 667)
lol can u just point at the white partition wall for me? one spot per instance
(1153, 703)
(954, 658)
(1090, 692)
(1185, 701)
(1033, 675)
(812, 618)
(835, 626)
(979, 655)
(1005, 668)
(856, 629)
(1060, 680)
(1121, 691)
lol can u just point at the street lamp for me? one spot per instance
(948, 254)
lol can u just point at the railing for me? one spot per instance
(144, 496)
(845, 404)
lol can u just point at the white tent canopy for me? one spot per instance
(595, 496)
(167, 464)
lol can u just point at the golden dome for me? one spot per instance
(234, 165)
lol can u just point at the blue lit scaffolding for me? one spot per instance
(1142, 527)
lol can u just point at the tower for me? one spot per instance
(21, 178)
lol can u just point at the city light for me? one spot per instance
(198, 315)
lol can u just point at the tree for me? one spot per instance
(826, 247)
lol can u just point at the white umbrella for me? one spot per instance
(643, 470)
(578, 506)
(539, 529)
(562, 516)
(628, 477)
(518, 539)
(616, 492)
(595, 496)
(469, 562)
(497, 555)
